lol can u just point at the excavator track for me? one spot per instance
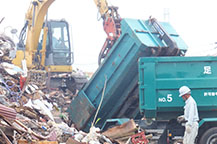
(73, 82)
(76, 82)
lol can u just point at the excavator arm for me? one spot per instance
(102, 6)
(34, 21)
(111, 25)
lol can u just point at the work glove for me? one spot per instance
(188, 128)
(180, 118)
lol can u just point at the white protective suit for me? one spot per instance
(191, 116)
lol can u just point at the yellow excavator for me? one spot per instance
(45, 45)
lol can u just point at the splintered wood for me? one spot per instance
(122, 132)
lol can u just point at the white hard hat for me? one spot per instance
(184, 90)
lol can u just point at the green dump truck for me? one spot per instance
(139, 38)
(159, 81)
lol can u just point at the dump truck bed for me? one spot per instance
(160, 79)
(120, 68)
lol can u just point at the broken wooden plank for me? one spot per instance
(8, 112)
(28, 130)
(36, 142)
(7, 130)
(72, 141)
(122, 130)
(5, 137)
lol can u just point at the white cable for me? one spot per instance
(103, 92)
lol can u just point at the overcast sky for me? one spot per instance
(194, 20)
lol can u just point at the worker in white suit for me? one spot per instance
(190, 115)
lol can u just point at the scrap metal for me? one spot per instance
(6, 47)
(7, 112)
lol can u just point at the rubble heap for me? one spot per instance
(30, 113)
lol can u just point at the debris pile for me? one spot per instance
(30, 113)
(127, 133)
(7, 48)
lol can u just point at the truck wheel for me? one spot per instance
(209, 137)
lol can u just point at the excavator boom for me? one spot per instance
(102, 7)
(35, 17)
(34, 21)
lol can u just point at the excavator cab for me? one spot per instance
(45, 47)
(58, 46)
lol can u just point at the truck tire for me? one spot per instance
(209, 137)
